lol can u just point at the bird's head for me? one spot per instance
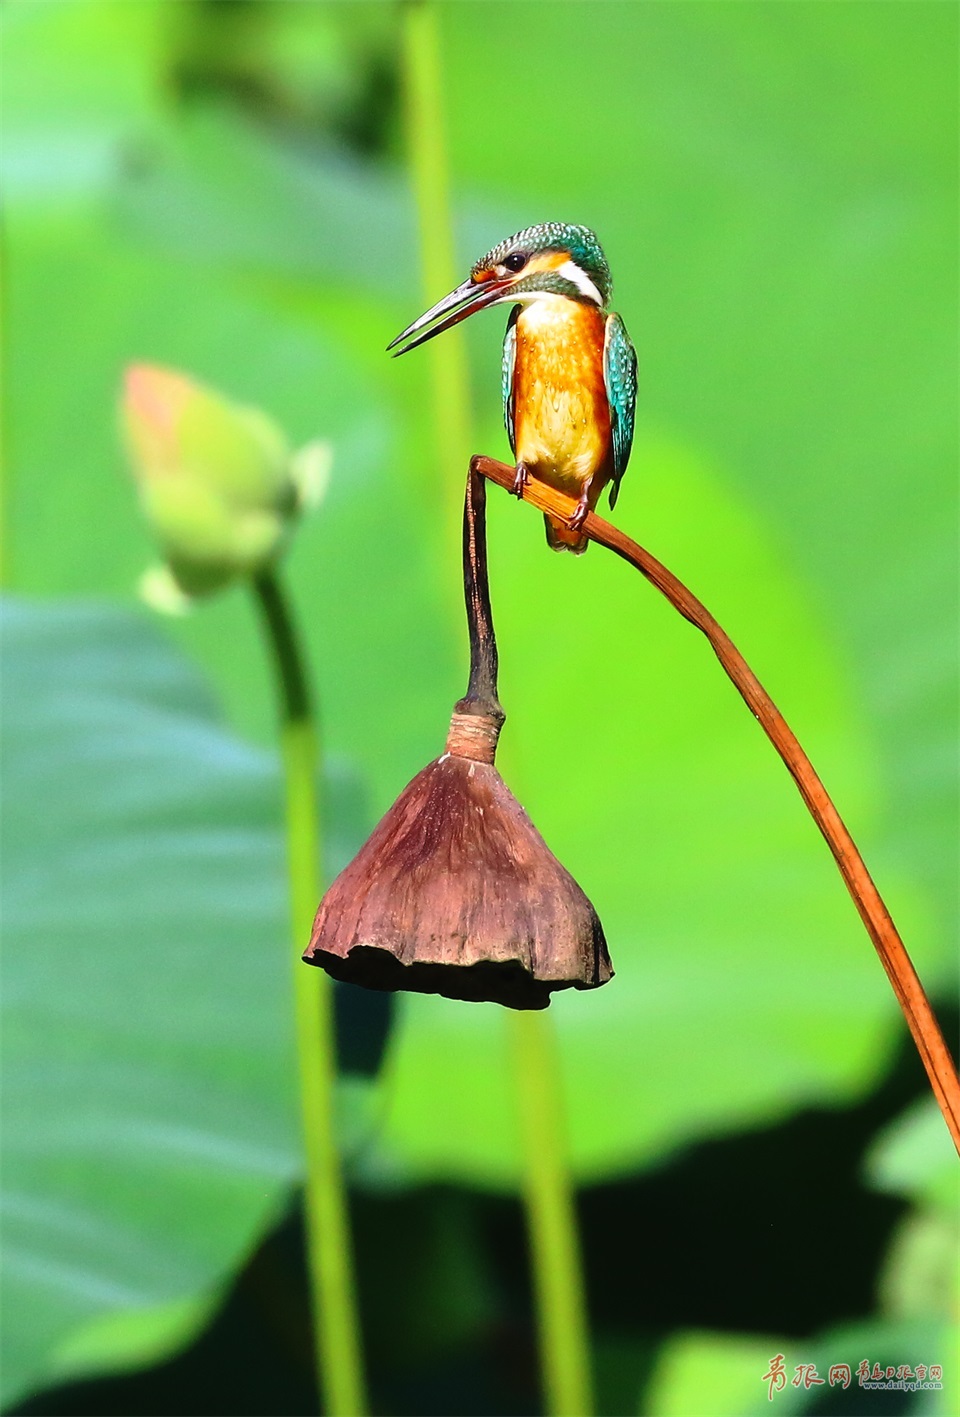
(552, 259)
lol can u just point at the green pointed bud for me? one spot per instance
(218, 481)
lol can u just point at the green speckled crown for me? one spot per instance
(579, 241)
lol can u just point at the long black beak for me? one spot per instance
(466, 300)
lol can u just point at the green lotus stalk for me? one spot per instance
(551, 1216)
(554, 1244)
(221, 489)
(426, 147)
(336, 1330)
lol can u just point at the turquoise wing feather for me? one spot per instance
(506, 375)
(620, 378)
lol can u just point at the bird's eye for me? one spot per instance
(516, 261)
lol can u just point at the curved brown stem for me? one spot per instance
(893, 954)
(481, 696)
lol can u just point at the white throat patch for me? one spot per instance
(572, 272)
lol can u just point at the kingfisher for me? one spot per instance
(569, 373)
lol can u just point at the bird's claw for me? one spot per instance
(520, 481)
(579, 515)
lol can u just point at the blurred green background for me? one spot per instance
(220, 185)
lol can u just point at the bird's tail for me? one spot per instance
(561, 538)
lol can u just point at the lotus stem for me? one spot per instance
(336, 1334)
(552, 1219)
(904, 980)
(549, 1193)
(481, 697)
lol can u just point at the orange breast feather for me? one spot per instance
(561, 413)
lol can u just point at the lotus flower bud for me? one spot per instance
(217, 480)
(457, 893)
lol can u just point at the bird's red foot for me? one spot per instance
(579, 515)
(520, 481)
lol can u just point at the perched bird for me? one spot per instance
(569, 369)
